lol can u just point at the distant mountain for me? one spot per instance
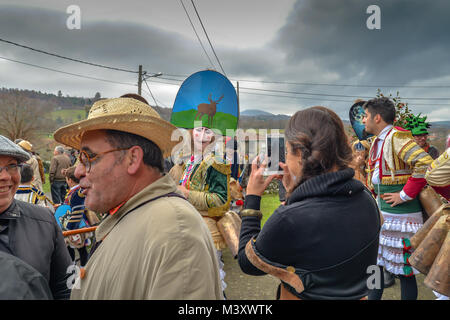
(443, 124)
(254, 112)
(249, 118)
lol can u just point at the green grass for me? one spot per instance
(69, 115)
(46, 185)
(269, 203)
(221, 121)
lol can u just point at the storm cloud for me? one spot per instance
(312, 41)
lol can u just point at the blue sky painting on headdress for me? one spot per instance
(207, 88)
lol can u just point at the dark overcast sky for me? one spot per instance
(305, 41)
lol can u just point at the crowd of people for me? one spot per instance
(344, 206)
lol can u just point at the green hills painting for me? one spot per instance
(221, 121)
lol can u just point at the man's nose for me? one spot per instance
(80, 171)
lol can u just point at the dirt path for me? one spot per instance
(241, 286)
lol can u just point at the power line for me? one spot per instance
(150, 92)
(83, 76)
(325, 99)
(292, 97)
(62, 57)
(337, 95)
(163, 82)
(326, 84)
(204, 30)
(241, 80)
(296, 97)
(342, 85)
(322, 94)
(69, 73)
(244, 88)
(159, 103)
(204, 50)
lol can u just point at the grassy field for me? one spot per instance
(69, 115)
(221, 121)
(46, 185)
(269, 203)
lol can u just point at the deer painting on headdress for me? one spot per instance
(207, 108)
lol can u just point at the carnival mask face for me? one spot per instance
(421, 139)
(202, 136)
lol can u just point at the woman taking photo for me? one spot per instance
(322, 241)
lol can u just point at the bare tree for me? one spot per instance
(24, 118)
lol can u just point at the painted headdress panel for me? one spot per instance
(207, 99)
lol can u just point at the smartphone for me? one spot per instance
(275, 155)
(261, 157)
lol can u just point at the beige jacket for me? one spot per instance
(37, 181)
(162, 250)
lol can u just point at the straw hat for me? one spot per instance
(121, 114)
(26, 145)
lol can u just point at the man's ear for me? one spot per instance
(134, 159)
(377, 118)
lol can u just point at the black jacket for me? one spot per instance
(35, 237)
(20, 281)
(328, 231)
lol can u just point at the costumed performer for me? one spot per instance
(396, 175)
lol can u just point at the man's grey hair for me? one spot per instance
(59, 149)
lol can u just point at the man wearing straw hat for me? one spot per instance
(153, 244)
(34, 163)
(27, 231)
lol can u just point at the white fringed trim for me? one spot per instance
(391, 242)
(393, 256)
(393, 267)
(402, 226)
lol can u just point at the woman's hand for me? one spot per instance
(256, 182)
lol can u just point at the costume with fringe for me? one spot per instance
(207, 179)
(31, 194)
(208, 182)
(397, 164)
(75, 199)
(438, 174)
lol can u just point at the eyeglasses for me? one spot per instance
(87, 161)
(11, 168)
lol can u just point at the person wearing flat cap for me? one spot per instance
(152, 244)
(27, 231)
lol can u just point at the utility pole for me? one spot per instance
(239, 107)
(140, 80)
